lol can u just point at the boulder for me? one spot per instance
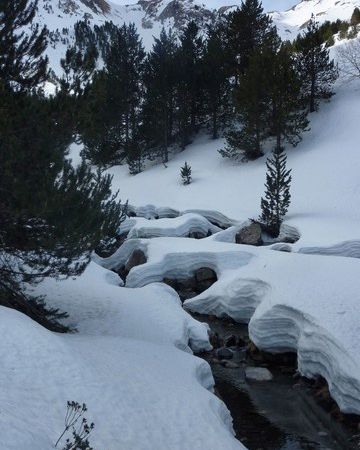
(197, 235)
(230, 365)
(205, 278)
(224, 353)
(258, 374)
(136, 259)
(231, 341)
(205, 274)
(250, 235)
(170, 282)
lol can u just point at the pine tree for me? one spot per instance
(52, 215)
(124, 65)
(275, 203)
(111, 115)
(185, 173)
(160, 80)
(252, 104)
(101, 132)
(189, 95)
(288, 118)
(216, 77)
(248, 26)
(22, 64)
(317, 70)
(78, 67)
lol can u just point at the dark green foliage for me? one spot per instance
(267, 102)
(52, 215)
(22, 66)
(110, 118)
(327, 30)
(160, 78)
(189, 83)
(100, 131)
(288, 118)
(77, 425)
(252, 105)
(247, 27)
(78, 66)
(275, 203)
(185, 173)
(317, 70)
(216, 77)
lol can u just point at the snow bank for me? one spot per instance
(152, 212)
(304, 303)
(350, 249)
(140, 396)
(182, 226)
(127, 363)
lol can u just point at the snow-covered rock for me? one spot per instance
(182, 226)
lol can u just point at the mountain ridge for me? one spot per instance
(150, 16)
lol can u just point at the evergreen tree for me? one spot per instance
(252, 104)
(275, 203)
(185, 173)
(317, 70)
(160, 80)
(22, 64)
(102, 133)
(247, 28)
(124, 67)
(215, 76)
(52, 216)
(287, 119)
(189, 94)
(113, 103)
(78, 67)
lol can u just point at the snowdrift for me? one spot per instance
(130, 362)
(294, 302)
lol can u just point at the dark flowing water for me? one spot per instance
(281, 414)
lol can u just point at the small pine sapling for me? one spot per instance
(275, 203)
(186, 173)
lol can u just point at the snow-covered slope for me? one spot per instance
(325, 188)
(150, 16)
(292, 21)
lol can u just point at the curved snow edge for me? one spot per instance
(281, 328)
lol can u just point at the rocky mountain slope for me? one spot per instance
(150, 16)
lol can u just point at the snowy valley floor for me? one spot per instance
(131, 360)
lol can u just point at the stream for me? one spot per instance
(281, 414)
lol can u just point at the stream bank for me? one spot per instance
(281, 414)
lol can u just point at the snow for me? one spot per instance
(302, 297)
(130, 362)
(292, 21)
(57, 16)
(325, 187)
(294, 302)
(181, 226)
